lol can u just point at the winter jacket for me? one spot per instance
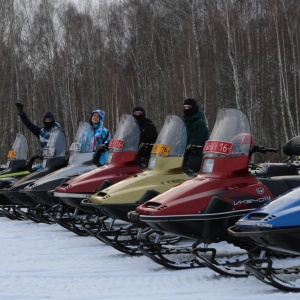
(148, 132)
(197, 134)
(101, 135)
(148, 135)
(41, 133)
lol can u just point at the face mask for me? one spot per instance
(190, 110)
(48, 125)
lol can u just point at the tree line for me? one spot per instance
(71, 58)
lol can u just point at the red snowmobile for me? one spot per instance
(121, 164)
(201, 209)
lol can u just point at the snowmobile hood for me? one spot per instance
(279, 213)
(50, 181)
(193, 196)
(123, 165)
(21, 173)
(132, 189)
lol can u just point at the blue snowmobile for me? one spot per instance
(274, 226)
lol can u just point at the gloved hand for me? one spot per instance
(190, 147)
(96, 159)
(19, 107)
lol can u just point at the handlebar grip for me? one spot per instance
(263, 149)
(271, 150)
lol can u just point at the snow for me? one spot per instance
(41, 261)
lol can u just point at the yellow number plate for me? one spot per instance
(163, 150)
(12, 154)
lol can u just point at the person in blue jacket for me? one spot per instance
(101, 138)
(42, 133)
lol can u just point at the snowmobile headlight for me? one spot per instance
(253, 224)
(44, 163)
(152, 162)
(208, 165)
(109, 158)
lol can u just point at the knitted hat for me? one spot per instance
(48, 125)
(48, 115)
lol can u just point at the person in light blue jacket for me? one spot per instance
(101, 138)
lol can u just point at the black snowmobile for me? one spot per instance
(80, 161)
(54, 157)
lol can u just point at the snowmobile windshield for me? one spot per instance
(127, 135)
(56, 145)
(230, 135)
(19, 149)
(172, 138)
(84, 139)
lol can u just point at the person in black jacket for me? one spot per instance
(148, 132)
(42, 133)
(148, 135)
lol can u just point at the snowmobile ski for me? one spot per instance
(262, 270)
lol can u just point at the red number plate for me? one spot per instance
(116, 144)
(218, 147)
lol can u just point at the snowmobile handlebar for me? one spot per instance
(145, 146)
(191, 147)
(261, 149)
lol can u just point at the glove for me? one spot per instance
(190, 147)
(19, 107)
(96, 159)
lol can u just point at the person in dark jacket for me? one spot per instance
(148, 135)
(197, 134)
(42, 133)
(148, 131)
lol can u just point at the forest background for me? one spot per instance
(72, 57)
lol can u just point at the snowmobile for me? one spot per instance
(54, 157)
(202, 208)
(165, 170)
(121, 164)
(274, 226)
(80, 161)
(16, 165)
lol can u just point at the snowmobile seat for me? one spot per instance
(276, 185)
(292, 181)
(281, 184)
(276, 169)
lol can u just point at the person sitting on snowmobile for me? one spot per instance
(148, 135)
(101, 137)
(42, 133)
(197, 135)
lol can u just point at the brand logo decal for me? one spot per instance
(252, 201)
(260, 190)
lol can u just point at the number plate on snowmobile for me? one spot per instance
(116, 144)
(75, 147)
(161, 149)
(221, 147)
(12, 154)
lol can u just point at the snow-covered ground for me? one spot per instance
(40, 261)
